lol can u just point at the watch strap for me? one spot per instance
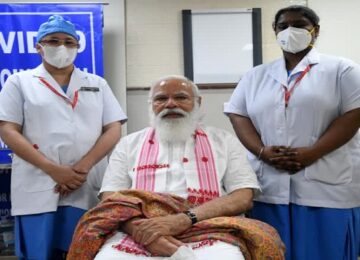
(191, 216)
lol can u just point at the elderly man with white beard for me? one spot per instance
(177, 155)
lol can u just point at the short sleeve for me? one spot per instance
(239, 173)
(112, 111)
(237, 102)
(12, 101)
(116, 175)
(350, 88)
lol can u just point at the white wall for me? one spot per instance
(154, 34)
(154, 47)
(154, 44)
(339, 30)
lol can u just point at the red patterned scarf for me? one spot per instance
(207, 183)
(256, 239)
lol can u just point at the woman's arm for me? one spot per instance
(340, 131)
(276, 156)
(110, 136)
(11, 134)
(246, 132)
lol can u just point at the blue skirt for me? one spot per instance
(38, 235)
(313, 233)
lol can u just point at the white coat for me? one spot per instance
(330, 89)
(63, 133)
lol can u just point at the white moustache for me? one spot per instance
(168, 111)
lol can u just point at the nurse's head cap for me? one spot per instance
(56, 24)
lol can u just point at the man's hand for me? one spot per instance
(164, 246)
(145, 231)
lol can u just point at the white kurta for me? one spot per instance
(232, 169)
(330, 89)
(219, 250)
(60, 132)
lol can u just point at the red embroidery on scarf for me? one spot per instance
(128, 245)
(145, 178)
(208, 242)
(205, 163)
(198, 197)
(201, 133)
(130, 250)
(152, 166)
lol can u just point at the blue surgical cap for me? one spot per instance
(56, 24)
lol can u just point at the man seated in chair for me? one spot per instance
(177, 155)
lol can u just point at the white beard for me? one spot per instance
(175, 130)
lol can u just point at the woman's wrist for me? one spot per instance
(316, 152)
(260, 153)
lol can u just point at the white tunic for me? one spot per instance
(219, 250)
(62, 133)
(330, 89)
(231, 166)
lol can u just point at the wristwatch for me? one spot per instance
(191, 216)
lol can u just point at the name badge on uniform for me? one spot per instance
(93, 89)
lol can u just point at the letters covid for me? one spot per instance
(25, 42)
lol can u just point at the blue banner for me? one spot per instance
(18, 29)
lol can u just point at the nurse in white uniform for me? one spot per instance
(60, 123)
(299, 118)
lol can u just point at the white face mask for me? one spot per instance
(59, 57)
(294, 39)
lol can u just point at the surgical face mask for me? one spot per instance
(294, 39)
(60, 56)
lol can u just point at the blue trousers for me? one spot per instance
(313, 233)
(38, 235)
